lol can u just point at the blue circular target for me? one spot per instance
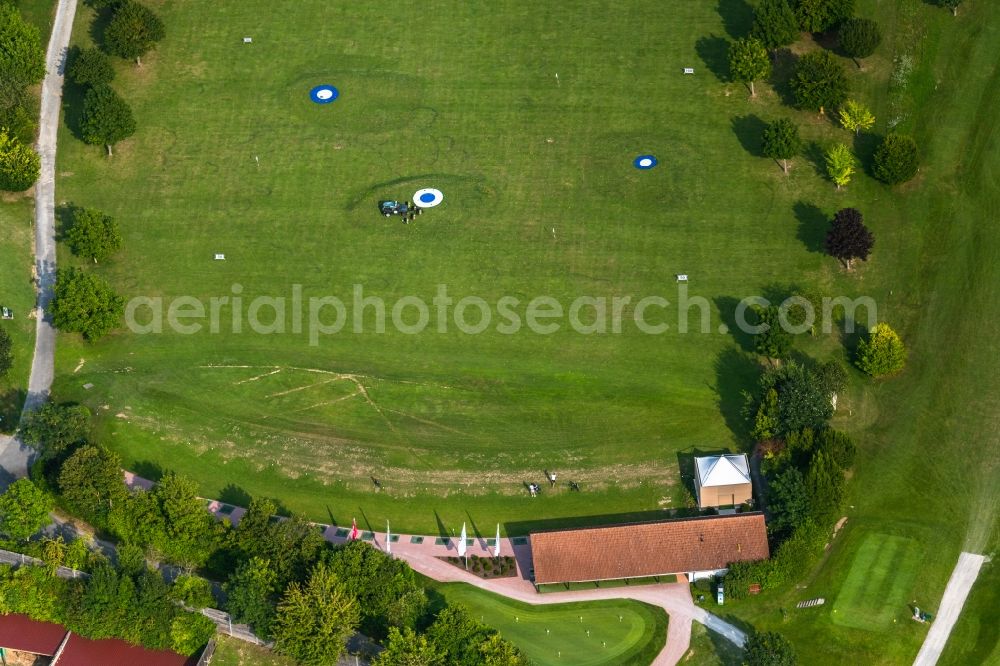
(645, 162)
(324, 94)
(428, 197)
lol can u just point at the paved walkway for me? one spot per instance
(962, 577)
(15, 457)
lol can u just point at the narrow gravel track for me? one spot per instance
(15, 457)
(962, 577)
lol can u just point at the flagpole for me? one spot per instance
(388, 539)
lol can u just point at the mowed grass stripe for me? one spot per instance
(877, 582)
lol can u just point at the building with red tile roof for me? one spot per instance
(21, 633)
(695, 547)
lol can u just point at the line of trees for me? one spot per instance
(281, 577)
(22, 65)
(132, 31)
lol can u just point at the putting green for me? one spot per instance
(876, 587)
(592, 633)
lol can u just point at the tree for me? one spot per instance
(765, 424)
(387, 589)
(787, 500)
(188, 528)
(91, 67)
(781, 141)
(93, 234)
(896, 159)
(821, 15)
(882, 353)
(953, 5)
(748, 61)
(193, 591)
(291, 546)
(133, 31)
(19, 164)
(22, 58)
(774, 341)
(54, 429)
(840, 164)
(251, 595)
(819, 81)
(859, 37)
(802, 403)
(774, 24)
(6, 353)
(107, 118)
(832, 377)
(406, 648)
(849, 238)
(85, 304)
(189, 632)
(768, 649)
(825, 484)
(855, 116)
(53, 553)
(24, 509)
(315, 620)
(91, 481)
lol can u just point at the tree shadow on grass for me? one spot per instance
(65, 214)
(737, 17)
(727, 306)
(783, 63)
(714, 52)
(813, 152)
(148, 469)
(813, 225)
(11, 402)
(864, 147)
(736, 373)
(235, 495)
(749, 129)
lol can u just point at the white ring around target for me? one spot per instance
(427, 197)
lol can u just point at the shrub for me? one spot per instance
(859, 37)
(19, 164)
(896, 159)
(882, 353)
(91, 67)
(819, 81)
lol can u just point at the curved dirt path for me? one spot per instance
(15, 457)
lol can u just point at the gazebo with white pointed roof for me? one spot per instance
(722, 480)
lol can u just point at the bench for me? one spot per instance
(220, 257)
(682, 277)
(247, 40)
(689, 70)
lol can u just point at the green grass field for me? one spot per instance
(453, 424)
(476, 111)
(620, 631)
(232, 652)
(873, 595)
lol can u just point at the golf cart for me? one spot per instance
(389, 208)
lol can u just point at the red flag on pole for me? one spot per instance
(354, 530)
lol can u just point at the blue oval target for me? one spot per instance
(645, 162)
(324, 94)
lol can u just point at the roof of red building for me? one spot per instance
(648, 549)
(112, 652)
(19, 632)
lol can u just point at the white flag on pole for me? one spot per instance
(388, 539)
(496, 548)
(461, 543)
